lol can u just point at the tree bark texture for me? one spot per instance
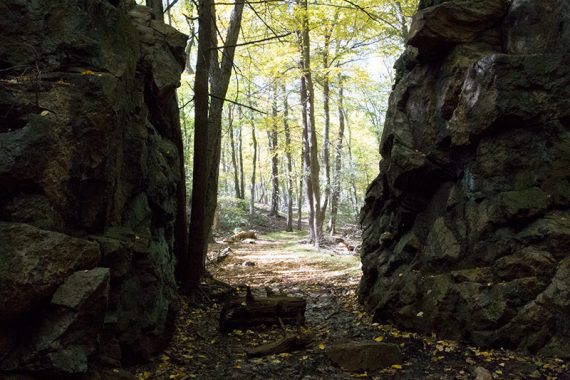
(289, 160)
(338, 161)
(310, 136)
(273, 141)
(198, 230)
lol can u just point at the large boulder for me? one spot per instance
(34, 262)
(467, 224)
(69, 331)
(91, 180)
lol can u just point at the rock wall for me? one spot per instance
(467, 227)
(89, 177)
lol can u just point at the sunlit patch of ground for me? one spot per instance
(328, 280)
(283, 258)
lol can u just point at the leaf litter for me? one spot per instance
(328, 279)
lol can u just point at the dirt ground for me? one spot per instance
(327, 278)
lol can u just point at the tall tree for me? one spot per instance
(273, 141)
(219, 77)
(289, 159)
(235, 167)
(326, 124)
(338, 160)
(198, 230)
(240, 149)
(309, 133)
(253, 167)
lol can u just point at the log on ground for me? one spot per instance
(243, 312)
(286, 344)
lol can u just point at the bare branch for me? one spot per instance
(256, 41)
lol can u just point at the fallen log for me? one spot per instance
(287, 344)
(242, 235)
(243, 312)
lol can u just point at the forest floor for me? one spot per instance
(327, 279)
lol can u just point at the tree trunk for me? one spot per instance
(234, 154)
(253, 167)
(354, 198)
(189, 45)
(300, 192)
(309, 133)
(198, 230)
(289, 160)
(307, 161)
(219, 76)
(274, 210)
(240, 150)
(219, 80)
(326, 131)
(168, 12)
(338, 161)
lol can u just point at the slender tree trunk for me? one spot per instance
(189, 45)
(300, 192)
(274, 211)
(234, 154)
(219, 80)
(225, 169)
(198, 230)
(307, 162)
(326, 131)
(253, 167)
(240, 150)
(310, 136)
(354, 193)
(262, 189)
(404, 31)
(338, 161)
(168, 12)
(210, 123)
(289, 160)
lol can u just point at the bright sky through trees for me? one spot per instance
(353, 46)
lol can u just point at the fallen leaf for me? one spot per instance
(364, 374)
(379, 338)
(396, 366)
(87, 72)
(322, 346)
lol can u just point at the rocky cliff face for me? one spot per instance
(467, 227)
(89, 177)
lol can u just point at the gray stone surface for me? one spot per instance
(68, 332)
(34, 262)
(365, 356)
(468, 220)
(90, 178)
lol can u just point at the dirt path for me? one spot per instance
(328, 280)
